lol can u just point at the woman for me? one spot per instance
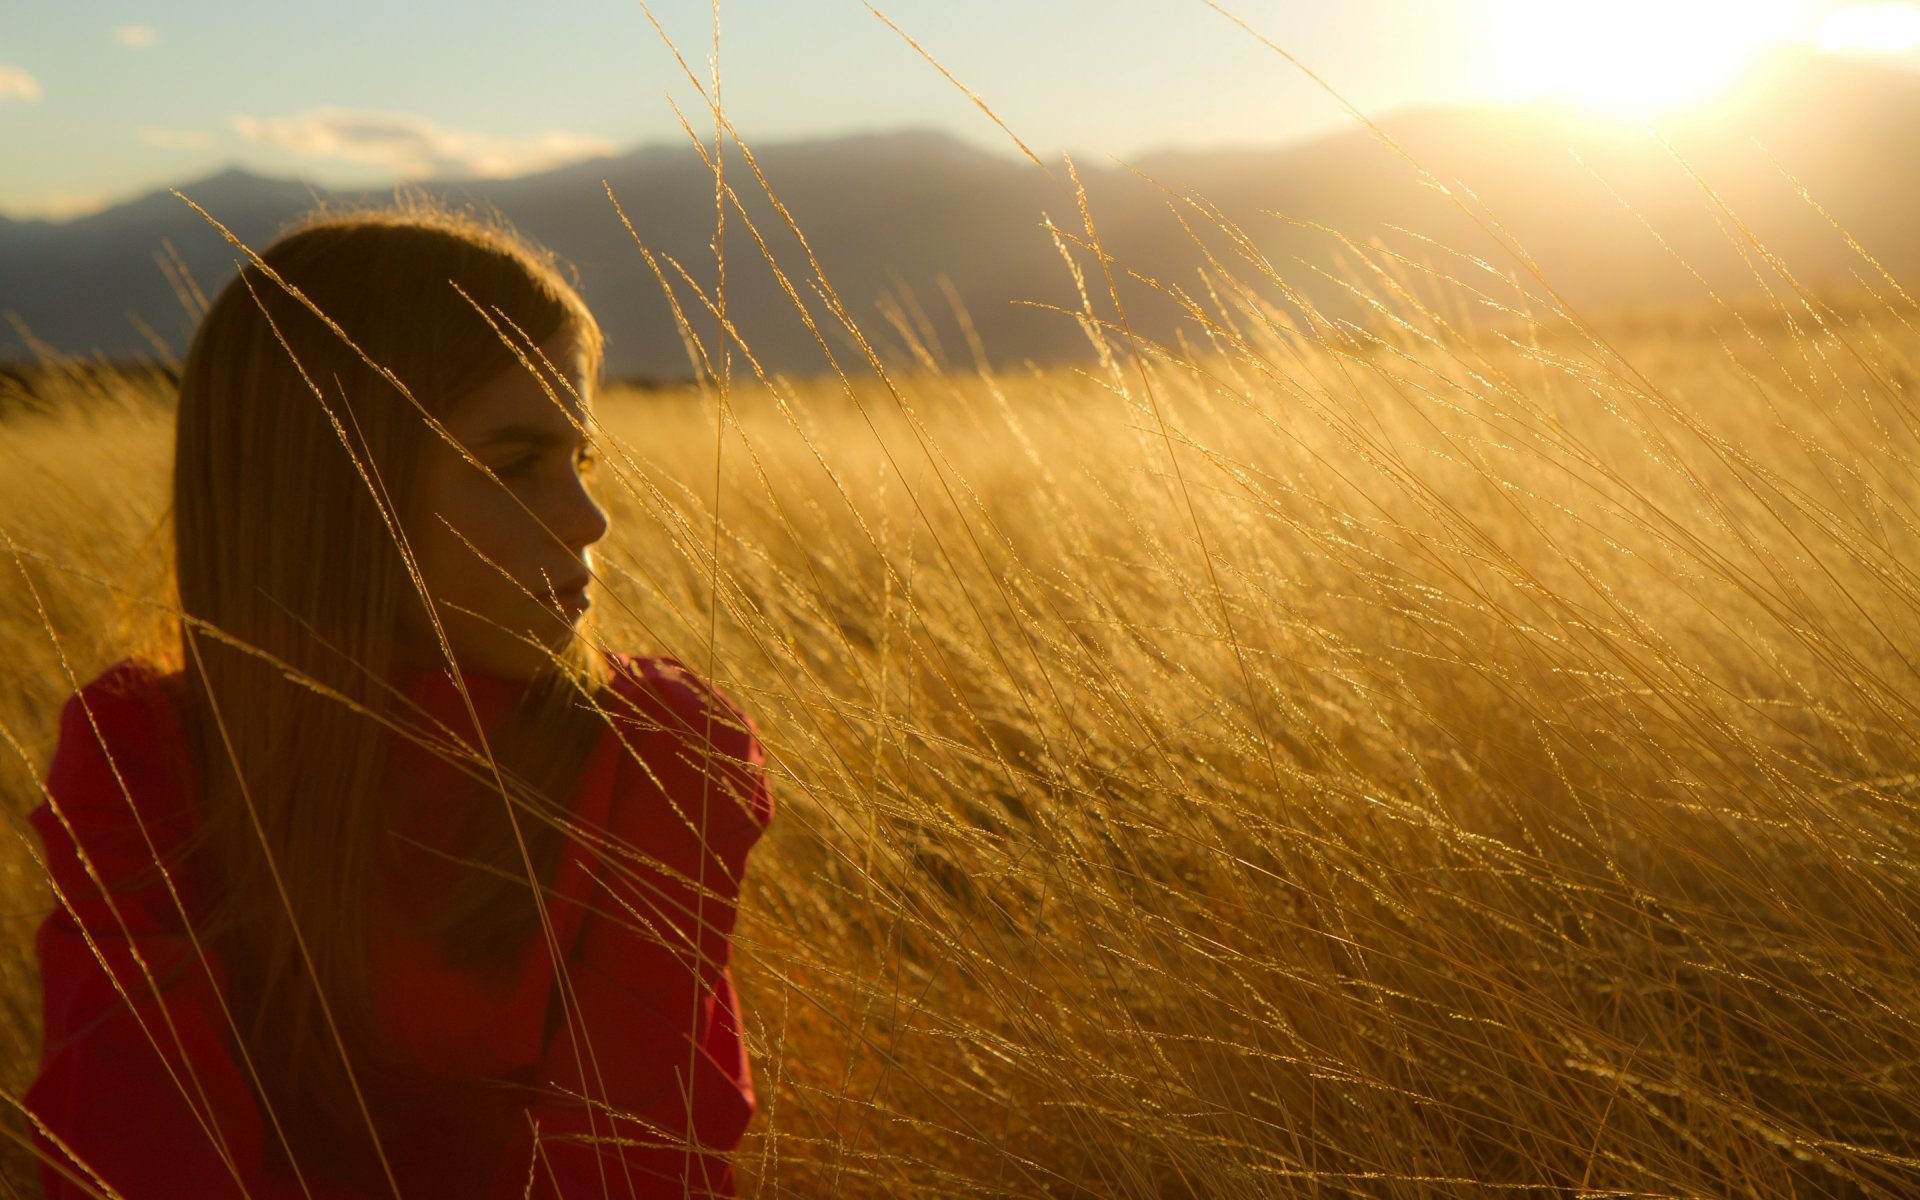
(295, 950)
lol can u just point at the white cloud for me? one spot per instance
(413, 147)
(174, 139)
(56, 206)
(16, 84)
(136, 36)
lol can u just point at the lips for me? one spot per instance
(572, 593)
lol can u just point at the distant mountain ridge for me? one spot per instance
(895, 214)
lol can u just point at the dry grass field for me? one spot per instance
(1371, 759)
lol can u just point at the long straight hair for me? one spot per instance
(304, 405)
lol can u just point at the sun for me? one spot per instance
(1634, 56)
(1872, 29)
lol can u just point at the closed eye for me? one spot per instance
(585, 462)
(515, 467)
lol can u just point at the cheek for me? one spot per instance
(467, 533)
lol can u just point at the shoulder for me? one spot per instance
(132, 702)
(122, 737)
(661, 702)
(669, 696)
(120, 786)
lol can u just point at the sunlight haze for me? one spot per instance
(101, 103)
(1637, 56)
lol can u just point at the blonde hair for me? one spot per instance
(303, 405)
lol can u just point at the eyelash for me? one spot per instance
(584, 463)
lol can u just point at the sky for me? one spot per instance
(104, 100)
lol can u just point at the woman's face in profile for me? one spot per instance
(505, 552)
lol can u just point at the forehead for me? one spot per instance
(520, 401)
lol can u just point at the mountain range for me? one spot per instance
(1608, 214)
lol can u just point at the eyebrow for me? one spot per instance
(538, 436)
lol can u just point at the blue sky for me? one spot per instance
(101, 100)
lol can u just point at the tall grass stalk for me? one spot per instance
(1392, 755)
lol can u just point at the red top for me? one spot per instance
(140, 1081)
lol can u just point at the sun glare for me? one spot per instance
(1635, 56)
(1872, 29)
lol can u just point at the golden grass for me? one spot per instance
(1385, 761)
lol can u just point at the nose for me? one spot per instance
(581, 521)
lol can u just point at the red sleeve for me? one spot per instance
(138, 1085)
(652, 1037)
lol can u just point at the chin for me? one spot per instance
(514, 661)
(487, 649)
